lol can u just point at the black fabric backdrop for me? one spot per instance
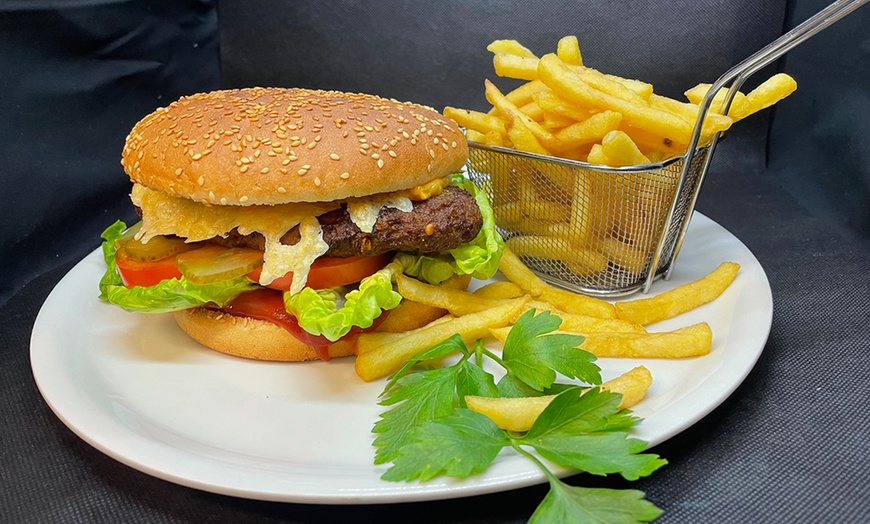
(790, 445)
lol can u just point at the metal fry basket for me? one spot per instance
(611, 231)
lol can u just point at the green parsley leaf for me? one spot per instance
(534, 357)
(512, 387)
(458, 445)
(575, 505)
(451, 345)
(576, 430)
(471, 379)
(417, 398)
(600, 454)
(576, 411)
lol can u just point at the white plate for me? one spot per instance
(138, 389)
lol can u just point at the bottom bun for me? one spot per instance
(261, 340)
(249, 337)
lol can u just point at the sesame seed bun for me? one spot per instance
(276, 146)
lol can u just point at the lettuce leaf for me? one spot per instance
(478, 258)
(318, 313)
(168, 295)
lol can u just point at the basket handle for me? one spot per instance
(737, 75)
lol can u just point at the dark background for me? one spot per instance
(792, 183)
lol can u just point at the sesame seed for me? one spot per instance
(201, 180)
(243, 199)
(432, 153)
(334, 156)
(285, 161)
(281, 190)
(453, 144)
(197, 156)
(311, 145)
(316, 181)
(245, 160)
(283, 170)
(257, 154)
(211, 195)
(264, 170)
(244, 168)
(179, 171)
(301, 172)
(392, 153)
(345, 175)
(380, 162)
(306, 167)
(376, 156)
(435, 140)
(224, 201)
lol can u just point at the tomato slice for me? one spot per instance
(332, 271)
(267, 304)
(135, 273)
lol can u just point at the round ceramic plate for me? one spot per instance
(138, 389)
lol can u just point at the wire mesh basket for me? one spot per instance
(612, 231)
(590, 228)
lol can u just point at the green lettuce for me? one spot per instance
(168, 295)
(478, 258)
(318, 312)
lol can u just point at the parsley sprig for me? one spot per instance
(428, 430)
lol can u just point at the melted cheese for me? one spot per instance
(364, 211)
(297, 259)
(166, 215)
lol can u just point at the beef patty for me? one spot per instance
(437, 224)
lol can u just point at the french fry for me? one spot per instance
(578, 304)
(456, 301)
(510, 47)
(533, 111)
(696, 95)
(474, 136)
(684, 298)
(499, 291)
(621, 150)
(523, 123)
(597, 156)
(713, 122)
(692, 341)
(589, 131)
(568, 50)
(385, 359)
(647, 140)
(580, 260)
(632, 385)
(375, 339)
(624, 255)
(520, 414)
(493, 138)
(767, 94)
(525, 93)
(480, 122)
(515, 66)
(513, 268)
(565, 82)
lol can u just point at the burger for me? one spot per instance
(274, 221)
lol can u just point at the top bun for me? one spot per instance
(276, 146)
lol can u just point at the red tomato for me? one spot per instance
(145, 274)
(268, 305)
(332, 272)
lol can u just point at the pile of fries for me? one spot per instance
(610, 330)
(572, 111)
(594, 227)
